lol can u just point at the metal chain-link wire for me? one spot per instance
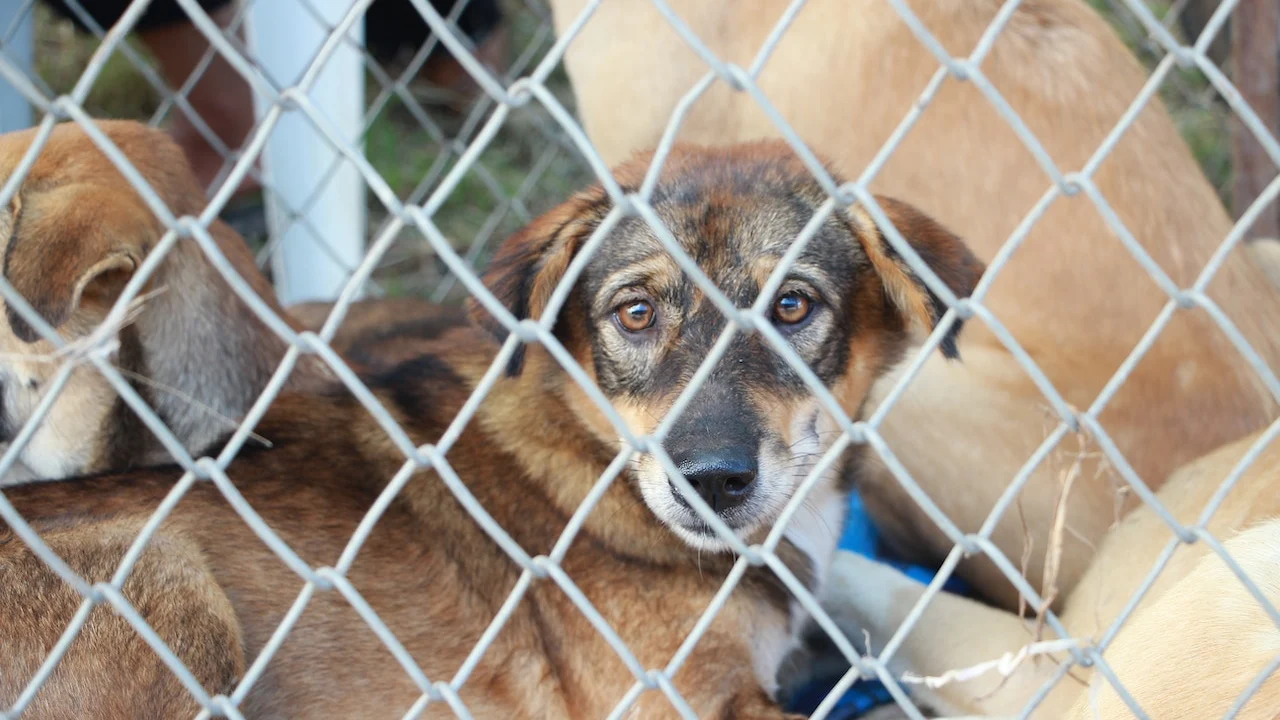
(532, 93)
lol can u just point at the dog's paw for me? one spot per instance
(865, 596)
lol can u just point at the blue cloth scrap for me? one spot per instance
(861, 537)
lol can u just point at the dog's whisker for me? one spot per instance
(808, 505)
(190, 400)
(805, 464)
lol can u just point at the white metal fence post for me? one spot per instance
(298, 162)
(17, 41)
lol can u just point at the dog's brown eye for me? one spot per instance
(636, 316)
(791, 308)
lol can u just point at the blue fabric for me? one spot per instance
(860, 536)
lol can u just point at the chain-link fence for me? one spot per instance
(447, 176)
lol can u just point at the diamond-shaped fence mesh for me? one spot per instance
(451, 165)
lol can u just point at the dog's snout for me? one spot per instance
(724, 479)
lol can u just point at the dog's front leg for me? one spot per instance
(755, 703)
(952, 634)
(750, 704)
(708, 700)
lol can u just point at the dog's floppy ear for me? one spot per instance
(528, 266)
(71, 246)
(945, 253)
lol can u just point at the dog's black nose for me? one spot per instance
(723, 478)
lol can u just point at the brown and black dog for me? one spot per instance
(74, 234)
(849, 306)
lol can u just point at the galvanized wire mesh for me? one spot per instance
(532, 96)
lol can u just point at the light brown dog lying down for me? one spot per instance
(74, 234)
(1196, 642)
(844, 75)
(644, 559)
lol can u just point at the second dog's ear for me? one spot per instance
(945, 253)
(528, 266)
(70, 247)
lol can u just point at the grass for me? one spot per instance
(409, 137)
(413, 141)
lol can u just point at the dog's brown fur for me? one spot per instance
(74, 234)
(380, 333)
(844, 75)
(529, 457)
(172, 587)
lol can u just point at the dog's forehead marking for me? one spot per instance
(728, 236)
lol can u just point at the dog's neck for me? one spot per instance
(567, 460)
(206, 357)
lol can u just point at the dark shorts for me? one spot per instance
(390, 25)
(394, 25)
(160, 13)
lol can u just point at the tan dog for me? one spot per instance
(644, 558)
(844, 75)
(74, 234)
(1193, 646)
